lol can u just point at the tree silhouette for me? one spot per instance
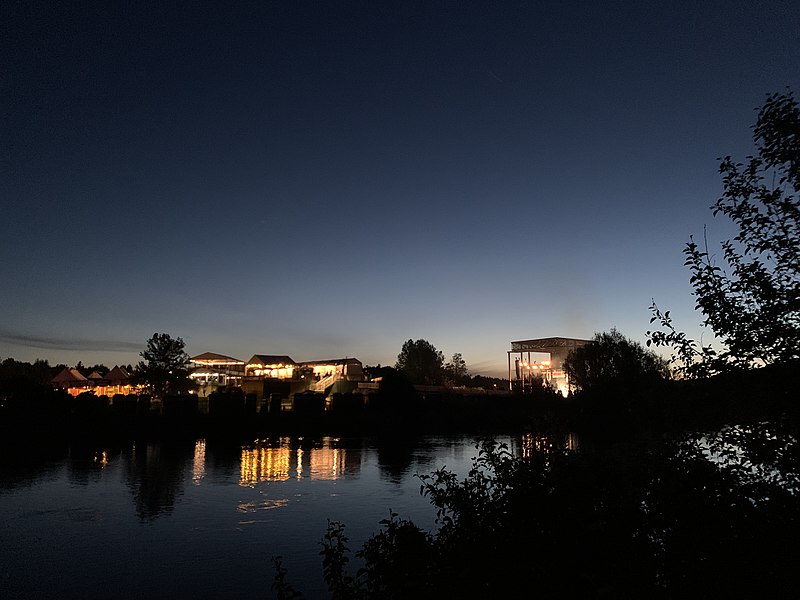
(752, 302)
(421, 362)
(611, 360)
(456, 371)
(165, 369)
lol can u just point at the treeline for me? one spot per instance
(29, 404)
(39, 372)
(452, 378)
(617, 402)
(42, 372)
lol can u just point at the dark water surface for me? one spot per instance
(202, 519)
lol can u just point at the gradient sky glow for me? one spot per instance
(331, 179)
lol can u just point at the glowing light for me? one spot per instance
(199, 462)
(266, 462)
(261, 464)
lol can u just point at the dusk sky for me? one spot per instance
(330, 179)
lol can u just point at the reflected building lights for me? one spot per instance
(101, 458)
(199, 462)
(326, 465)
(571, 442)
(526, 446)
(265, 462)
(532, 444)
(299, 469)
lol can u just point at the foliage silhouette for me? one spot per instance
(610, 361)
(659, 520)
(280, 584)
(421, 362)
(456, 371)
(165, 368)
(752, 303)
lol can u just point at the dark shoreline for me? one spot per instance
(671, 408)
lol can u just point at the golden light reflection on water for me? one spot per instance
(199, 462)
(251, 507)
(101, 458)
(264, 464)
(542, 444)
(270, 461)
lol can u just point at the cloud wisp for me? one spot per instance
(54, 343)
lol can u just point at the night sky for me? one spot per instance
(330, 179)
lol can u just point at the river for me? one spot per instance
(201, 518)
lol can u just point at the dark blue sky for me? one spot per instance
(331, 179)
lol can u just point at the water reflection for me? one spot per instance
(395, 458)
(199, 462)
(265, 463)
(251, 507)
(87, 463)
(287, 458)
(156, 474)
(532, 444)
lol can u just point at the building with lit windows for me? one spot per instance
(211, 372)
(333, 375)
(267, 374)
(541, 359)
(270, 365)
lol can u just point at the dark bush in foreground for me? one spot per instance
(654, 520)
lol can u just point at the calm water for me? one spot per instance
(202, 519)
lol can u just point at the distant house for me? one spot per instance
(322, 375)
(95, 378)
(212, 371)
(270, 365)
(267, 374)
(270, 375)
(118, 381)
(71, 380)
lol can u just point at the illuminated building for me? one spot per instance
(266, 374)
(330, 376)
(269, 365)
(71, 380)
(211, 371)
(116, 381)
(528, 369)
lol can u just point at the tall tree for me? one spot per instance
(456, 371)
(611, 360)
(752, 302)
(421, 362)
(165, 369)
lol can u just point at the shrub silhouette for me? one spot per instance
(656, 520)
